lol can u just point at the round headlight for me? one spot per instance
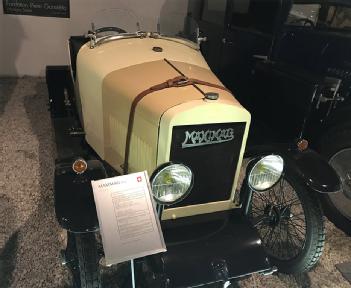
(171, 183)
(266, 172)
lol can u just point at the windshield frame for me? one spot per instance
(110, 30)
(95, 40)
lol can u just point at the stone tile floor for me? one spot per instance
(30, 238)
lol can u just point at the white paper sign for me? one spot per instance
(129, 224)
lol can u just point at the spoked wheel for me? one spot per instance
(290, 223)
(82, 258)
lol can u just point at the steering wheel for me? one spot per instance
(108, 29)
(305, 22)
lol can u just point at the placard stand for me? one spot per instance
(133, 274)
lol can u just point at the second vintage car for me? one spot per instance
(289, 63)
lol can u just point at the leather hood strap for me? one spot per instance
(179, 81)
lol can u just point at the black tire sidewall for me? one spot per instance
(88, 260)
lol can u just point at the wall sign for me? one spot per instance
(45, 8)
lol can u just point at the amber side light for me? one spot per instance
(302, 144)
(80, 166)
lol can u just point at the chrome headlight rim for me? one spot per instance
(159, 170)
(253, 164)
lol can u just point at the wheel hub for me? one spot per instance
(275, 214)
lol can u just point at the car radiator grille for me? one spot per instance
(212, 152)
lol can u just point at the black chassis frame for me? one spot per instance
(76, 212)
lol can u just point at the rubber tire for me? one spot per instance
(315, 231)
(88, 260)
(331, 143)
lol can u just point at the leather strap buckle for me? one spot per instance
(178, 81)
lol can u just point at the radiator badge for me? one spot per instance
(208, 137)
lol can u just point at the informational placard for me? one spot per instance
(129, 224)
(45, 8)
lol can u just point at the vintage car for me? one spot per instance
(289, 60)
(134, 100)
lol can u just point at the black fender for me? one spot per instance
(313, 170)
(58, 80)
(74, 199)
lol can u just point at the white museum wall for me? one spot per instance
(29, 43)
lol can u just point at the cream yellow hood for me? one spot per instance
(99, 68)
(110, 78)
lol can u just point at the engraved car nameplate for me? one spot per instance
(207, 137)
